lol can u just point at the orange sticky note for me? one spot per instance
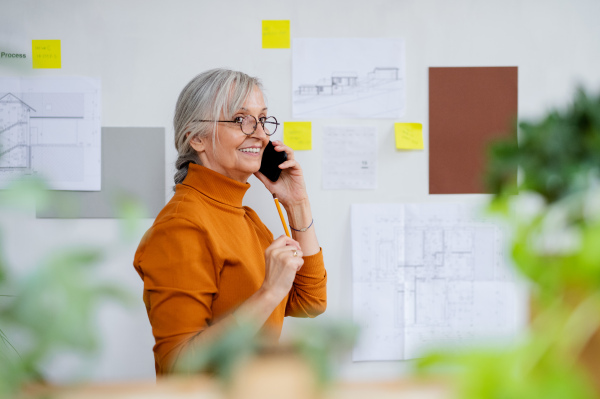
(298, 135)
(46, 53)
(276, 34)
(409, 136)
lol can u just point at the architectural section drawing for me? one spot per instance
(429, 275)
(14, 133)
(348, 78)
(50, 127)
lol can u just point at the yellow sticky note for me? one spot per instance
(409, 136)
(276, 34)
(298, 135)
(45, 53)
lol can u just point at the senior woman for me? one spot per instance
(208, 262)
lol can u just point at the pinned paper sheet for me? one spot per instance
(46, 53)
(52, 130)
(430, 275)
(409, 136)
(348, 78)
(298, 135)
(351, 161)
(276, 34)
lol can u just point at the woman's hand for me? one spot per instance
(283, 258)
(291, 191)
(290, 187)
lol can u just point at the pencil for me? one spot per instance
(287, 232)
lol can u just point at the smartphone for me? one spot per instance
(271, 160)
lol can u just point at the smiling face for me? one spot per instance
(235, 154)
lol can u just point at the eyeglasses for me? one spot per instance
(248, 124)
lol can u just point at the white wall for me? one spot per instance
(145, 51)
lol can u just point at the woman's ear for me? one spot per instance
(197, 143)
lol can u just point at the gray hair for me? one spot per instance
(206, 97)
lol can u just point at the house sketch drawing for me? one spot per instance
(14, 133)
(428, 274)
(347, 87)
(50, 128)
(348, 82)
(348, 78)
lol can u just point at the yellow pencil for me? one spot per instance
(287, 232)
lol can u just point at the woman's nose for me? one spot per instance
(260, 130)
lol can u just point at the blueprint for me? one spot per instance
(351, 161)
(50, 127)
(348, 78)
(429, 275)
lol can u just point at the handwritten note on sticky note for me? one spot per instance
(45, 53)
(276, 34)
(298, 135)
(409, 136)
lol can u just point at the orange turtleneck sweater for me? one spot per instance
(204, 256)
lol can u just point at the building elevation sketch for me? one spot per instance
(348, 78)
(14, 133)
(429, 275)
(50, 127)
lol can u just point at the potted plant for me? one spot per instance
(50, 309)
(250, 366)
(552, 207)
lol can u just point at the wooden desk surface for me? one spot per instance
(205, 388)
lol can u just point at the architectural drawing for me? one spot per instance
(50, 127)
(14, 133)
(361, 78)
(429, 275)
(349, 82)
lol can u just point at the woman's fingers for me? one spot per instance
(292, 259)
(283, 242)
(290, 163)
(285, 249)
(280, 147)
(288, 255)
(288, 251)
(283, 258)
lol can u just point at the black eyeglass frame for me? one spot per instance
(256, 122)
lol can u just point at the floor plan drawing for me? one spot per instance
(361, 78)
(429, 275)
(50, 127)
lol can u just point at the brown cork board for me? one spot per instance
(468, 108)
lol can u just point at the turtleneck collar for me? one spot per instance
(215, 185)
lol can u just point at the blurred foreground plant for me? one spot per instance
(553, 211)
(316, 344)
(52, 308)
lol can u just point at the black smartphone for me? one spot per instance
(271, 160)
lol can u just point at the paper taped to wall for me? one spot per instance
(348, 78)
(429, 275)
(298, 135)
(45, 54)
(276, 34)
(50, 127)
(351, 160)
(409, 136)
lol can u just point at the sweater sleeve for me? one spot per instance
(180, 280)
(308, 296)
